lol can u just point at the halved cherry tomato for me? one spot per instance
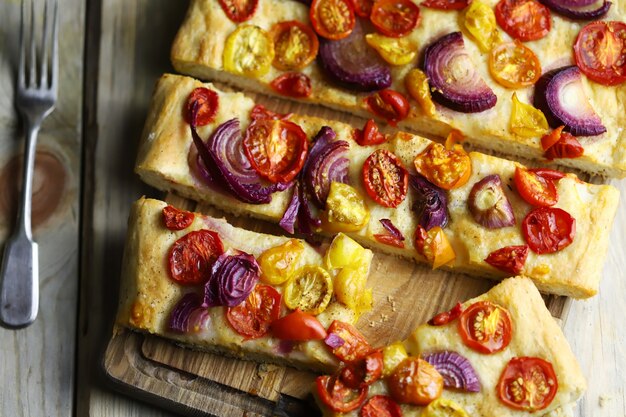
(363, 8)
(415, 381)
(445, 4)
(364, 371)
(395, 18)
(446, 317)
(292, 84)
(416, 84)
(176, 219)
(338, 397)
(193, 255)
(434, 246)
(454, 137)
(295, 45)
(389, 240)
(385, 178)
(509, 259)
(567, 146)
(600, 52)
(547, 173)
(279, 263)
(550, 139)
(485, 327)
(514, 65)
(260, 112)
(248, 51)
(276, 148)
(208, 103)
(332, 19)
(526, 120)
(528, 384)
(355, 345)
(393, 50)
(480, 22)
(535, 189)
(446, 168)
(299, 327)
(381, 406)
(370, 135)
(252, 318)
(393, 355)
(388, 104)
(239, 10)
(526, 20)
(310, 289)
(548, 229)
(346, 210)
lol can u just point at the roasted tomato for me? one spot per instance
(389, 240)
(385, 178)
(309, 289)
(208, 103)
(528, 384)
(364, 371)
(176, 219)
(514, 65)
(298, 327)
(485, 327)
(526, 120)
(434, 246)
(566, 146)
(260, 112)
(446, 168)
(381, 406)
(279, 263)
(443, 407)
(446, 317)
(355, 345)
(393, 355)
(332, 19)
(550, 139)
(416, 84)
(480, 21)
(548, 229)
(547, 173)
(363, 8)
(292, 84)
(370, 135)
(445, 4)
(509, 259)
(252, 318)
(335, 395)
(600, 52)
(276, 148)
(350, 287)
(388, 104)
(535, 189)
(193, 255)
(415, 381)
(395, 18)
(393, 50)
(295, 45)
(526, 20)
(239, 10)
(346, 210)
(248, 51)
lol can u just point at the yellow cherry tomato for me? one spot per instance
(396, 51)
(309, 289)
(514, 65)
(342, 252)
(480, 21)
(279, 263)
(526, 120)
(416, 84)
(393, 354)
(434, 246)
(446, 168)
(443, 407)
(249, 51)
(350, 289)
(346, 210)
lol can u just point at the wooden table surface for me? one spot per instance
(112, 51)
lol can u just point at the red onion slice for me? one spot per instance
(561, 96)
(288, 221)
(456, 370)
(392, 229)
(579, 10)
(232, 279)
(431, 203)
(453, 78)
(488, 204)
(333, 341)
(188, 315)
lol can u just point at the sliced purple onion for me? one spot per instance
(353, 63)
(560, 95)
(488, 204)
(285, 347)
(392, 229)
(454, 80)
(431, 203)
(188, 315)
(232, 279)
(579, 10)
(334, 341)
(288, 221)
(456, 370)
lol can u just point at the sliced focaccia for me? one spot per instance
(208, 285)
(468, 54)
(481, 223)
(498, 355)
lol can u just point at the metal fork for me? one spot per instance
(35, 98)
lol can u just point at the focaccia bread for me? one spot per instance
(151, 298)
(533, 334)
(199, 50)
(168, 160)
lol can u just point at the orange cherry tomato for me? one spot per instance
(528, 384)
(548, 229)
(535, 189)
(332, 19)
(446, 168)
(337, 396)
(600, 52)
(292, 84)
(363, 8)
(295, 45)
(526, 20)
(567, 146)
(355, 345)
(239, 10)
(370, 135)
(276, 148)
(446, 317)
(415, 381)
(434, 246)
(485, 327)
(364, 371)
(388, 104)
(208, 101)
(514, 65)
(193, 255)
(381, 406)
(299, 327)
(395, 18)
(509, 259)
(253, 317)
(385, 178)
(176, 219)
(446, 4)
(550, 139)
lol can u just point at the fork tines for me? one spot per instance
(43, 68)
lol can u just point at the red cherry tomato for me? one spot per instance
(390, 240)
(363, 8)
(332, 19)
(275, 148)
(446, 317)
(548, 229)
(395, 18)
(370, 135)
(509, 259)
(600, 52)
(485, 327)
(550, 139)
(192, 256)
(535, 189)
(239, 10)
(385, 178)
(566, 147)
(208, 101)
(364, 371)
(292, 84)
(526, 20)
(355, 345)
(336, 396)
(547, 173)
(446, 4)
(176, 219)
(298, 326)
(253, 317)
(528, 384)
(381, 406)
(388, 104)
(260, 112)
